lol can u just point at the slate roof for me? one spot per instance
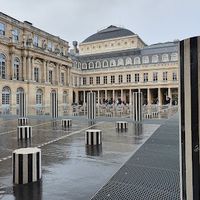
(109, 33)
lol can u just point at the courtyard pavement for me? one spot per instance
(140, 160)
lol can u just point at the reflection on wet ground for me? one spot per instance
(71, 170)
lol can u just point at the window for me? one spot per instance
(6, 94)
(105, 63)
(164, 76)
(62, 78)
(154, 58)
(51, 76)
(120, 62)
(112, 63)
(16, 69)
(50, 46)
(19, 90)
(155, 76)
(91, 80)
(105, 79)
(79, 65)
(145, 77)
(36, 74)
(98, 64)
(112, 79)
(84, 80)
(137, 78)
(137, 60)
(2, 66)
(64, 97)
(128, 78)
(15, 35)
(120, 78)
(165, 58)
(39, 97)
(98, 80)
(84, 66)
(2, 29)
(174, 57)
(145, 59)
(174, 76)
(128, 61)
(35, 40)
(91, 65)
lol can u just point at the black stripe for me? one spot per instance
(87, 137)
(38, 165)
(195, 115)
(182, 106)
(30, 168)
(21, 133)
(97, 138)
(14, 168)
(91, 140)
(20, 170)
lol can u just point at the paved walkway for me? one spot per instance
(152, 173)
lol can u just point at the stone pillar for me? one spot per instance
(26, 165)
(106, 94)
(130, 97)
(189, 125)
(84, 101)
(93, 137)
(91, 105)
(44, 74)
(159, 97)
(137, 106)
(148, 96)
(113, 95)
(24, 68)
(54, 104)
(32, 68)
(98, 101)
(170, 95)
(122, 98)
(29, 69)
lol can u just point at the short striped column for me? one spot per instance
(189, 125)
(147, 116)
(24, 132)
(137, 106)
(26, 165)
(93, 137)
(66, 123)
(154, 114)
(75, 113)
(108, 114)
(91, 106)
(22, 121)
(121, 125)
(22, 104)
(54, 104)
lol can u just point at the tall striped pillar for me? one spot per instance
(137, 106)
(54, 104)
(91, 105)
(22, 104)
(190, 118)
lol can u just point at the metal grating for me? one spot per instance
(151, 173)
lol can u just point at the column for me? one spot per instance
(98, 101)
(69, 76)
(91, 105)
(44, 74)
(159, 97)
(29, 68)
(106, 94)
(12, 67)
(148, 96)
(170, 95)
(47, 71)
(84, 101)
(130, 97)
(24, 69)
(122, 95)
(137, 106)
(32, 68)
(113, 95)
(54, 105)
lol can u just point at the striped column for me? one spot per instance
(66, 123)
(93, 137)
(91, 105)
(24, 132)
(22, 121)
(22, 104)
(26, 165)
(137, 106)
(121, 125)
(190, 118)
(54, 104)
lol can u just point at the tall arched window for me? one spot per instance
(2, 66)
(16, 69)
(39, 97)
(137, 60)
(19, 90)
(6, 94)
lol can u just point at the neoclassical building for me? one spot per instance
(115, 62)
(35, 62)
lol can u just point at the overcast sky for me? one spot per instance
(153, 20)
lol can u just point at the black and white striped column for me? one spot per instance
(22, 121)
(91, 105)
(54, 104)
(93, 137)
(24, 132)
(22, 104)
(137, 106)
(190, 118)
(121, 125)
(66, 123)
(26, 165)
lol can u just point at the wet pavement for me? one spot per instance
(70, 170)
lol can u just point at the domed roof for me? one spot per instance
(109, 33)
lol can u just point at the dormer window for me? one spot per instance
(145, 59)
(154, 58)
